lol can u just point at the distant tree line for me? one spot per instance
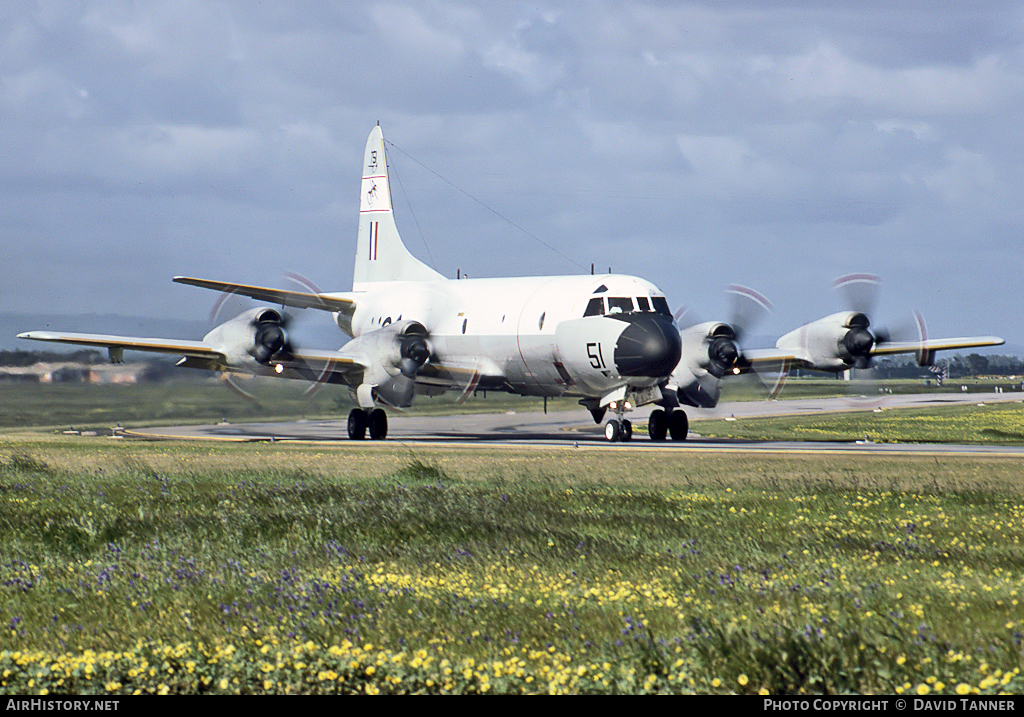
(956, 366)
(156, 368)
(30, 358)
(977, 365)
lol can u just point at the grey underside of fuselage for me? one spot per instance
(531, 366)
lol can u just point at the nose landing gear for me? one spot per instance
(619, 428)
(616, 430)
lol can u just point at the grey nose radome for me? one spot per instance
(649, 345)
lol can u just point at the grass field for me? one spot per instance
(98, 407)
(268, 568)
(249, 568)
(190, 400)
(997, 423)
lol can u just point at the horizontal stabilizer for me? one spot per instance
(296, 299)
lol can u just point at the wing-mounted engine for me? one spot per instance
(833, 343)
(393, 357)
(253, 340)
(710, 352)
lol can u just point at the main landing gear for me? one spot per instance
(360, 420)
(662, 425)
(672, 423)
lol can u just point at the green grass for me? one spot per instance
(190, 400)
(268, 568)
(999, 423)
(749, 388)
(99, 407)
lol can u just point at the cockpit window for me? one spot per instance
(623, 304)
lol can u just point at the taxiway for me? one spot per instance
(574, 428)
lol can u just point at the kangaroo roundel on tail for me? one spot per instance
(380, 254)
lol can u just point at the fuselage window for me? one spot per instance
(595, 307)
(661, 305)
(617, 304)
(643, 303)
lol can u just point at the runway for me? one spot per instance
(575, 428)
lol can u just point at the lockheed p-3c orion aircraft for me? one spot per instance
(607, 340)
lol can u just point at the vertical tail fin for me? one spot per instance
(380, 253)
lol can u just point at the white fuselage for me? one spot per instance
(531, 332)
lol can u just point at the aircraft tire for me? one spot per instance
(626, 430)
(678, 425)
(378, 424)
(612, 431)
(657, 426)
(357, 424)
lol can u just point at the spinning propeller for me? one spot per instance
(861, 292)
(273, 343)
(712, 350)
(747, 308)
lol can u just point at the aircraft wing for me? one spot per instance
(297, 299)
(184, 347)
(319, 366)
(772, 366)
(311, 365)
(906, 347)
(759, 358)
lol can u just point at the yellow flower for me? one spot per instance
(742, 679)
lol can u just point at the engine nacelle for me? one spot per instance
(709, 353)
(394, 355)
(255, 336)
(834, 343)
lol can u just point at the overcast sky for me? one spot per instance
(696, 144)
